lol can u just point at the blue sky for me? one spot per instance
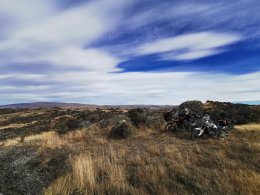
(129, 52)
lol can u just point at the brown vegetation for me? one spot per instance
(84, 160)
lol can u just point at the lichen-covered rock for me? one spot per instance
(195, 107)
(25, 171)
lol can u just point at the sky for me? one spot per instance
(129, 52)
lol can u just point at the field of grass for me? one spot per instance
(149, 162)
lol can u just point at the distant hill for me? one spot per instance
(34, 105)
(48, 105)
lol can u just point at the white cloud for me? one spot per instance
(189, 46)
(88, 59)
(190, 55)
(23, 76)
(140, 88)
(173, 11)
(25, 12)
(76, 26)
(60, 38)
(92, 59)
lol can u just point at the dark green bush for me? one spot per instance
(121, 131)
(67, 125)
(168, 115)
(6, 111)
(137, 116)
(72, 124)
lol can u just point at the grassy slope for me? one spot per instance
(151, 162)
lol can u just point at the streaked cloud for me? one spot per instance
(59, 39)
(133, 88)
(189, 46)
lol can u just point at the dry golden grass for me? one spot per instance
(52, 139)
(13, 125)
(144, 174)
(249, 127)
(46, 139)
(92, 174)
(10, 142)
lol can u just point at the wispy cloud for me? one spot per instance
(59, 39)
(189, 46)
(190, 55)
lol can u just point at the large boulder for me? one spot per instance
(195, 107)
(24, 170)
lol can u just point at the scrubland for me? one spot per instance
(150, 161)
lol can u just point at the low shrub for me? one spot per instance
(72, 124)
(168, 115)
(122, 131)
(137, 116)
(6, 111)
(67, 125)
(113, 121)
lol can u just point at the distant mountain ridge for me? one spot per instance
(34, 105)
(47, 105)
